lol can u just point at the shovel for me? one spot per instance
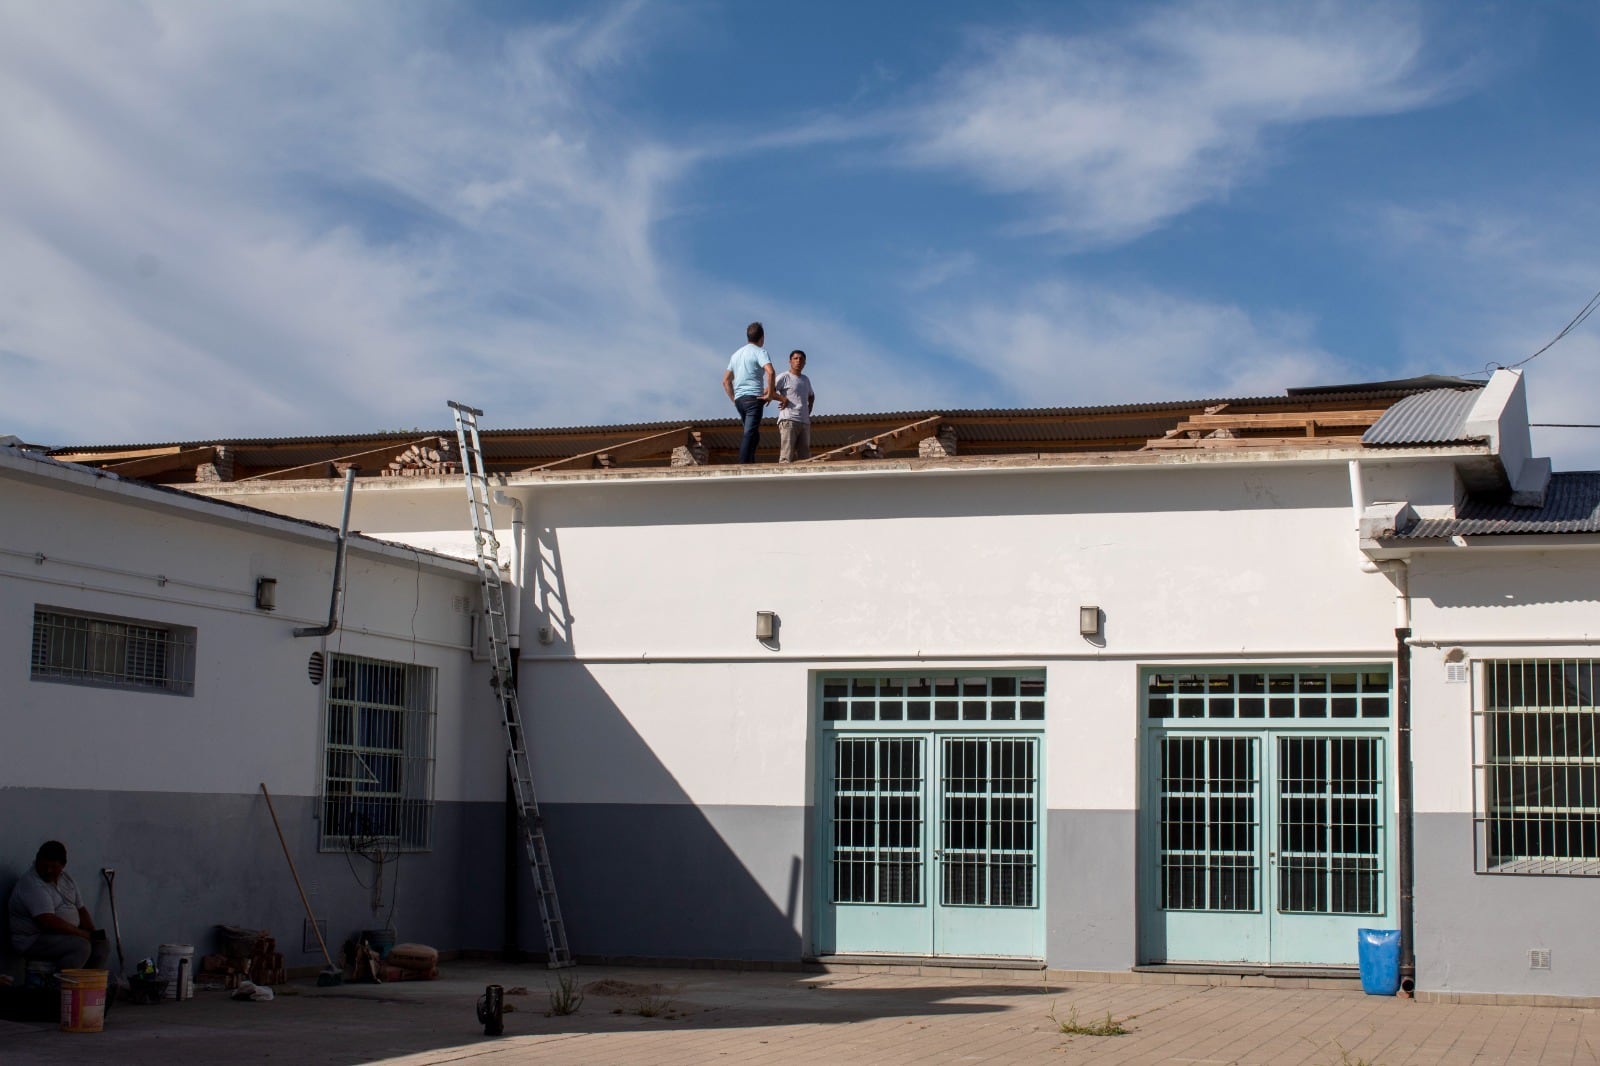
(110, 874)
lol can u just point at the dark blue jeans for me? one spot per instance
(750, 409)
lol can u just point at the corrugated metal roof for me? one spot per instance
(1426, 381)
(1438, 416)
(1571, 505)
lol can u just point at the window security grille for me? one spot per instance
(1537, 769)
(950, 698)
(1330, 825)
(104, 651)
(986, 828)
(378, 758)
(1210, 823)
(877, 820)
(1299, 694)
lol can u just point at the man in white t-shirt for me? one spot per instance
(48, 920)
(795, 401)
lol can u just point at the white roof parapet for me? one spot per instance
(1500, 416)
(28, 464)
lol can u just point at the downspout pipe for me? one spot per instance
(1399, 572)
(514, 856)
(1405, 834)
(338, 564)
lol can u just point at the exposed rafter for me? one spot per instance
(875, 447)
(611, 454)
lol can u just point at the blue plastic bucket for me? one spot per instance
(1379, 953)
(379, 940)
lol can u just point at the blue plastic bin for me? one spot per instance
(1379, 953)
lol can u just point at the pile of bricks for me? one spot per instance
(257, 960)
(433, 459)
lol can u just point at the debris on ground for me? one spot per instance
(611, 986)
(249, 990)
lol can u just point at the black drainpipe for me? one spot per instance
(514, 855)
(1408, 945)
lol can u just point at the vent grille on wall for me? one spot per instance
(1539, 959)
(1457, 673)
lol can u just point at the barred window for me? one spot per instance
(378, 756)
(1537, 767)
(109, 652)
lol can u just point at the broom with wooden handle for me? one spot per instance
(331, 975)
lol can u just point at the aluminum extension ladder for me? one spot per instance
(494, 618)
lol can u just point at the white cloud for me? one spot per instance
(1114, 133)
(1489, 287)
(1070, 343)
(275, 219)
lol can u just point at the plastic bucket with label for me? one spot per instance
(83, 1000)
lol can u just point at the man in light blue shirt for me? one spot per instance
(748, 383)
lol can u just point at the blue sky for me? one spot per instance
(277, 218)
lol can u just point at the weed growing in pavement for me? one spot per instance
(652, 1006)
(566, 997)
(1072, 1027)
(1346, 1060)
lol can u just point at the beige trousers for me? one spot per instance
(794, 441)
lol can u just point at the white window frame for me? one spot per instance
(1564, 737)
(107, 651)
(378, 734)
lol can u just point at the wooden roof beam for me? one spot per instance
(114, 457)
(1246, 443)
(611, 454)
(152, 465)
(874, 447)
(1274, 419)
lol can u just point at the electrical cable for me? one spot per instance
(1577, 320)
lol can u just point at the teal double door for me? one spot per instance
(1265, 815)
(929, 816)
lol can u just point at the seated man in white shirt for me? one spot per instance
(49, 922)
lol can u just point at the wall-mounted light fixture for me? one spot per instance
(1089, 621)
(266, 593)
(766, 624)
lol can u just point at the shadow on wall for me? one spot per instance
(186, 862)
(665, 878)
(549, 589)
(1505, 580)
(736, 501)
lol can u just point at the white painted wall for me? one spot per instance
(656, 690)
(1493, 604)
(1430, 487)
(254, 715)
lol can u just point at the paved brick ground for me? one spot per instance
(710, 1016)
